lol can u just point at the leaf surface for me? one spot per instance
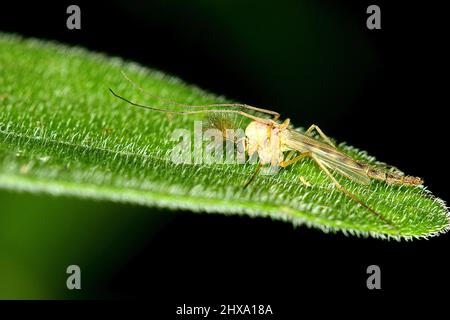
(63, 133)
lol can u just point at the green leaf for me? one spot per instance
(63, 133)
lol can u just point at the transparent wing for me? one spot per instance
(329, 156)
(351, 172)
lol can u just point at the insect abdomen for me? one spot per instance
(393, 178)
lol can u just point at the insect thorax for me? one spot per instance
(266, 141)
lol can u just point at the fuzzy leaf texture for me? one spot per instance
(63, 133)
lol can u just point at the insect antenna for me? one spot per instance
(275, 114)
(242, 113)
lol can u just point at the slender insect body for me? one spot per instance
(270, 139)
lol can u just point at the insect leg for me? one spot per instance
(284, 164)
(290, 155)
(254, 175)
(337, 184)
(321, 134)
(351, 195)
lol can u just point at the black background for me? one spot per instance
(399, 115)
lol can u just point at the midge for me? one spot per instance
(271, 139)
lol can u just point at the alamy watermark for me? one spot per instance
(374, 280)
(74, 279)
(74, 19)
(373, 22)
(228, 146)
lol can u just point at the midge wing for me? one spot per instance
(351, 172)
(328, 155)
